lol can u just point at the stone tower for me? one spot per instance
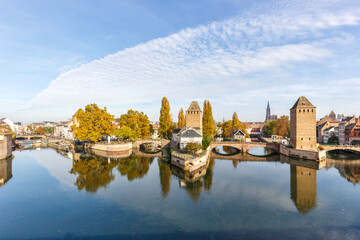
(193, 117)
(303, 125)
(268, 113)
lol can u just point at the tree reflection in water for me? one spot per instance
(194, 182)
(93, 172)
(165, 174)
(209, 175)
(134, 167)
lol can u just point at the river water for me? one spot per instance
(48, 195)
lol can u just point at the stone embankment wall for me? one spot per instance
(5, 146)
(109, 147)
(311, 155)
(188, 163)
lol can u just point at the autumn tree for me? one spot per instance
(208, 121)
(31, 128)
(193, 147)
(279, 127)
(94, 123)
(138, 122)
(40, 130)
(165, 125)
(237, 125)
(181, 119)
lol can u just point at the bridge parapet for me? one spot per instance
(245, 146)
(159, 142)
(341, 147)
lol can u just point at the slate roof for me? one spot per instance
(194, 106)
(190, 133)
(238, 131)
(302, 102)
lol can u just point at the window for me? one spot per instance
(308, 110)
(312, 110)
(299, 110)
(302, 139)
(309, 139)
(304, 110)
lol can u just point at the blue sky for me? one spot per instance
(58, 56)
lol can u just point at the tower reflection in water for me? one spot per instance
(303, 188)
(5, 170)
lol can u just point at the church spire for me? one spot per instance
(268, 112)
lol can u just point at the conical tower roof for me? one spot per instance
(194, 106)
(302, 102)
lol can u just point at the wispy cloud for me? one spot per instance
(218, 59)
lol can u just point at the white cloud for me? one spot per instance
(211, 60)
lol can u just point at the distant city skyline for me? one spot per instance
(57, 57)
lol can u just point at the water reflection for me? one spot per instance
(5, 170)
(92, 172)
(134, 167)
(165, 175)
(195, 181)
(303, 188)
(226, 150)
(260, 151)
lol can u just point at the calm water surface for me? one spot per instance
(51, 196)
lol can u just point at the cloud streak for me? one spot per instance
(217, 59)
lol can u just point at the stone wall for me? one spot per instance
(109, 147)
(5, 146)
(311, 155)
(188, 163)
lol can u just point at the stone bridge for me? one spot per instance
(158, 142)
(245, 157)
(354, 149)
(29, 137)
(245, 146)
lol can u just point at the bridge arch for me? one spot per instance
(245, 146)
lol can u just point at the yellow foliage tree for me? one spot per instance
(208, 121)
(93, 123)
(165, 125)
(138, 122)
(181, 119)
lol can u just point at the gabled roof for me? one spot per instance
(190, 133)
(194, 106)
(302, 102)
(238, 131)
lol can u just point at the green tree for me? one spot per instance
(193, 147)
(279, 127)
(208, 121)
(138, 122)
(49, 130)
(165, 125)
(181, 119)
(94, 123)
(333, 139)
(126, 132)
(270, 128)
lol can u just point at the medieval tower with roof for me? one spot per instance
(193, 117)
(303, 125)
